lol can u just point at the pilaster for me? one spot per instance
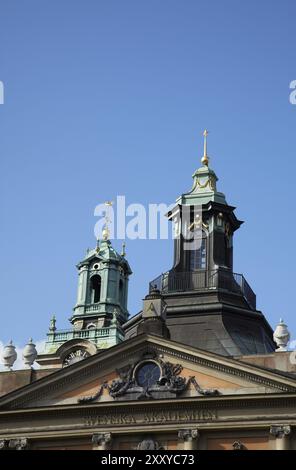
(281, 434)
(102, 441)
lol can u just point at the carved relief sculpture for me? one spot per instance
(147, 379)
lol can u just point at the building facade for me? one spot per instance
(198, 368)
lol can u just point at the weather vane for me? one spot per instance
(106, 229)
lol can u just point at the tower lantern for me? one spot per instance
(209, 306)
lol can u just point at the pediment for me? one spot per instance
(148, 368)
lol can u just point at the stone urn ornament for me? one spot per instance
(281, 336)
(9, 356)
(29, 354)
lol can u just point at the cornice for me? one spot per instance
(224, 401)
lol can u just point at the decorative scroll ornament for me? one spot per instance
(116, 388)
(169, 382)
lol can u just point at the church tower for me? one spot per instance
(102, 288)
(204, 229)
(100, 310)
(207, 304)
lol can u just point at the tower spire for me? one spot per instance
(205, 158)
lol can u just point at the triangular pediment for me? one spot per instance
(144, 368)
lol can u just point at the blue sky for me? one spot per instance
(107, 98)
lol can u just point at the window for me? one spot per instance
(198, 257)
(95, 289)
(147, 374)
(121, 297)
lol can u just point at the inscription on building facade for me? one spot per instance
(185, 416)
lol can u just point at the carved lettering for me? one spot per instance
(153, 417)
(109, 419)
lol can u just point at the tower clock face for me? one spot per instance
(75, 356)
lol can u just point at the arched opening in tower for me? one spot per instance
(95, 289)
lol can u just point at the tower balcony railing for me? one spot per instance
(92, 308)
(91, 333)
(174, 281)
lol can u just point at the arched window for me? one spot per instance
(121, 292)
(95, 289)
(198, 256)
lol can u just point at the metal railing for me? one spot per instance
(174, 281)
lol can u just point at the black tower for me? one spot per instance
(208, 305)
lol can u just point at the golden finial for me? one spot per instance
(205, 158)
(106, 230)
(123, 253)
